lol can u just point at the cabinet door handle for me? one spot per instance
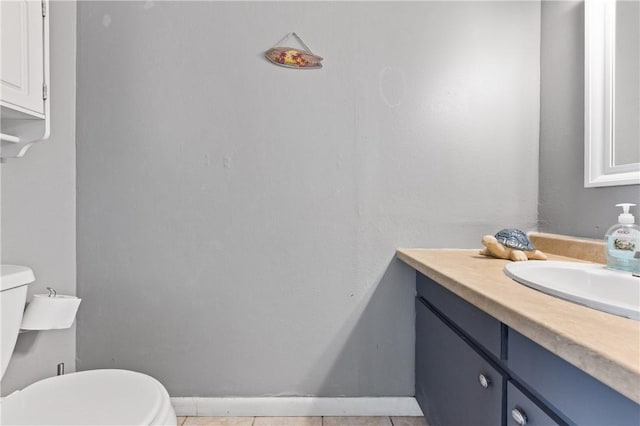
(519, 416)
(484, 381)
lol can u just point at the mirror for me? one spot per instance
(612, 93)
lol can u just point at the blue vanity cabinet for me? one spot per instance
(454, 384)
(473, 370)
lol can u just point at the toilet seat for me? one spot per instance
(94, 397)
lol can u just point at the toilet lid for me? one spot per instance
(95, 397)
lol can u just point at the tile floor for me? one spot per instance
(301, 421)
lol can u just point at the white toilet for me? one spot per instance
(94, 397)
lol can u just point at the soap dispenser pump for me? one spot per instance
(623, 242)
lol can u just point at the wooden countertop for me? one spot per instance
(603, 345)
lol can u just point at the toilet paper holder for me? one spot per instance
(50, 311)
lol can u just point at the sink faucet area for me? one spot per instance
(587, 284)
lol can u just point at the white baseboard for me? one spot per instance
(297, 406)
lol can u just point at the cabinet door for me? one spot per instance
(522, 411)
(22, 60)
(448, 377)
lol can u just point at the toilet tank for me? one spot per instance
(13, 295)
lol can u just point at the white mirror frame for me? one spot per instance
(599, 166)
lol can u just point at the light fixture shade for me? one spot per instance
(291, 57)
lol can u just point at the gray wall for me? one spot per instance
(237, 221)
(39, 210)
(566, 207)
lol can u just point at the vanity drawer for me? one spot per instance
(522, 411)
(580, 397)
(478, 325)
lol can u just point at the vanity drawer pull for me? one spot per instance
(519, 416)
(484, 381)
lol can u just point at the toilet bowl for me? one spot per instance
(93, 397)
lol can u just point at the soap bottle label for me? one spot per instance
(623, 243)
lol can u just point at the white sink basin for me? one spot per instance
(588, 284)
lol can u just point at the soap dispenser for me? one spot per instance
(623, 242)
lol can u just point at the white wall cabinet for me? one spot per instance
(24, 75)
